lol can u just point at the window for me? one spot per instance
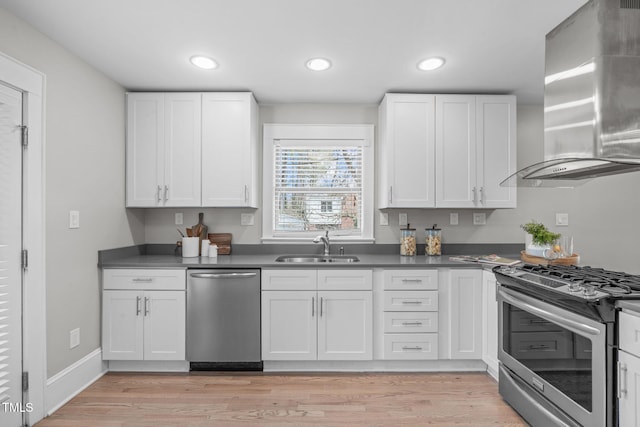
(318, 178)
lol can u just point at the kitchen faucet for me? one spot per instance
(324, 239)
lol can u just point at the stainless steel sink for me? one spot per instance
(317, 258)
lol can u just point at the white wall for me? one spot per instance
(602, 213)
(84, 171)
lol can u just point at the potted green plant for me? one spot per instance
(538, 238)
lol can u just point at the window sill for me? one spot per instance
(307, 240)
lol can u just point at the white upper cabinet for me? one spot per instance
(407, 151)
(447, 151)
(163, 149)
(229, 150)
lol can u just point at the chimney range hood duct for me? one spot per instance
(591, 97)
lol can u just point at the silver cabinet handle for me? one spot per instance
(166, 193)
(146, 306)
(411, 302)
(159, 190)
(390, 194)
(418, 348)
(321, 304)
(411, 323)
(475, 196)
(482, 195)
(246, 194)
(143, 279)
(622, 374)
(222, 275)
(412, 280)
(313, 306)
(138, 309)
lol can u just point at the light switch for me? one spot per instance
(479, 218)
(246, 219)
(384, 218)
(179, 218)
(562, 219)
(453, 218)
(402, 219)
(74, 219)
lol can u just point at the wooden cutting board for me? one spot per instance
(223, 241)
(572, 260)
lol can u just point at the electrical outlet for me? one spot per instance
(74, 219)
(74, 338)
(247, 219)
(402, 219)
(453, 218)
(479, 218)
(562, 219)
(179, 218)
(384, 218)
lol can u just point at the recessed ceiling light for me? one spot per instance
(430, 64)
(318, 64)
(203, 62)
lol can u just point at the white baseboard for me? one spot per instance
(66, 384)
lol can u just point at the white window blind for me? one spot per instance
(317, 186)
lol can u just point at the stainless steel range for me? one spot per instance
(558, 342)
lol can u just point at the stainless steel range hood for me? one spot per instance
(591, 97)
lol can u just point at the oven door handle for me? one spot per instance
(530, 306)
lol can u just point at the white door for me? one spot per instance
(11, 397)
(164, 325)
(345, 330)
(122, 325)
(629, 396)
(466, 314)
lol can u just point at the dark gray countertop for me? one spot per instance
(163, 256)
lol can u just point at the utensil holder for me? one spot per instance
(190, 247)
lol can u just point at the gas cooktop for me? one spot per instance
(586, 283)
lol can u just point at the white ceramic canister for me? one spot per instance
(213, 250)
(190, 246)
(204, 251)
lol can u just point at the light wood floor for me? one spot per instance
(215, 399)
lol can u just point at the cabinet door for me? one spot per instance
(496, 141)
(490, 323)
(465, 313)
(456, 152)
(629, 387)
(182, 144)
(229, 145)
(164, 325)
(145, 158)
(345, 330)
(122, 325)
(407, 151)
(289, 325)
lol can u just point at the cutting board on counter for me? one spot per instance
(223, 241)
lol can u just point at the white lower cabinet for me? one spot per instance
(461, 314)
(143, 323)
(314, 324)
(410, 318)
(489, 323)
(629, 370)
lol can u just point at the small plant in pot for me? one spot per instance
(539, 238)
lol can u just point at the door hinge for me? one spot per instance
(25, 136)
(25, 259)
(25, 381)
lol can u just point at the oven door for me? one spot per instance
(557, 354)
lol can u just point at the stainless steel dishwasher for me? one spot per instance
(223, 319)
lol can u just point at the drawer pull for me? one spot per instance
(407, 348)
(412, 302)
(539, 322)
(143, 279)
(411, 323)
(412, 280)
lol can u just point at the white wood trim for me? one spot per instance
(32, 83)
(66, 384)
(374, 366)
(148, 366)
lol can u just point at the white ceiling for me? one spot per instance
(492, 46)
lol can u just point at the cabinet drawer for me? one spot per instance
(629, 333)
(410, 346)
(411, 279)
(411, 322)
(289, 280)
(345, 280)
(144, 279)
(411, 301)
(541, 345)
